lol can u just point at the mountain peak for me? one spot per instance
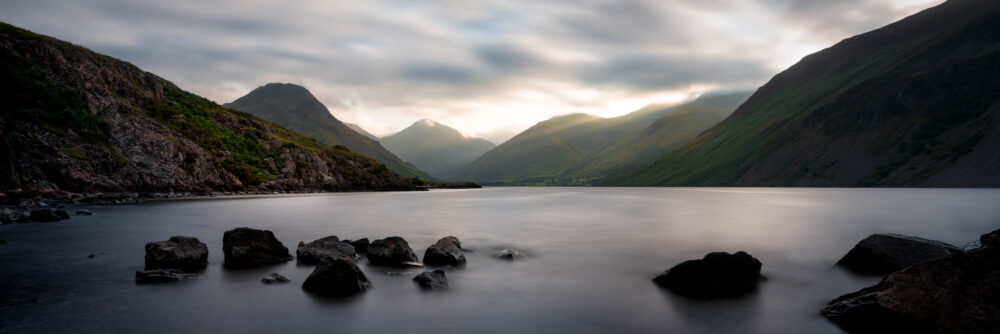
(426, 123)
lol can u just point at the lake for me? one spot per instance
(593, 253)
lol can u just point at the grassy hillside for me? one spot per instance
(296, 108)
(436, 148)
(913, 103)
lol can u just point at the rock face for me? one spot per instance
(881, 254)
(161, 276)
(718, 274)
(445, 252)
(182, 253)
(509, 255)
(432, 280)
(391, 251)
(88, 123)
(314, 252)
(247, 247)
(48, 215)
(337, 276)
(954, 294)
(8, 216)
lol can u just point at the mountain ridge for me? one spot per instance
(435, 148)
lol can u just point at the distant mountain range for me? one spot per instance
(915, 103)
(294, 107)
(359, 129)
(581, 149)
(436, 148)
(74, 121)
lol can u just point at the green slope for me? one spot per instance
(915, 103)
(296, 108)
(435, 147)
(581, 149)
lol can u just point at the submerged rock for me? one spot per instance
(275, 278)
(445, 252)
(247, 247)
(336, 276)
(314, 252)
(8, 216)
(954, 294)
(881, 254)
(509, 255)
(161, 276)
(84, 213)
(432, 280)
(718, 274)
(179, 252)
(391, 251)
(48, 215)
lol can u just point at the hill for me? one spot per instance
(436, 148)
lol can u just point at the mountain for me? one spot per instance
(581, 149)
(72, 120)
(359, 129)
(915, 103)
(294, 107)
(435, 147)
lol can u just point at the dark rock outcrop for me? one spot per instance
(161, 276)
(336, 276)
(247, 247)
(432, 280)
(881, 254)
(48, 215)
(391, 251)
(959, 293)
(182, 253)
(445, 252)
(314, 252)
(360, 245)
(8, 216)
(718, 274)
(275, 278)
(509, 254)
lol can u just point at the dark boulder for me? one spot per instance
(360, 245)
(48, 215)
(161, 276)
(275, 278)
(391, 251)
(445, 252)
(314, 252)
(247, 247)
(718, 274)
(8, 216)
(509, 255)
(880, 254)
(336, 276)
(432, 280)
(954, 294)
(182, 253)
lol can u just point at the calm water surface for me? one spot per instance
(593, 253)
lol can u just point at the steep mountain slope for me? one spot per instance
(359, 129)
(436, 148)
(294, 107)
(915, 103)
(74, 120)
(580, 149)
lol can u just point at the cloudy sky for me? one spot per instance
(488, 68)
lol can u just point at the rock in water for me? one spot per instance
(880, 254)
(336, 276)
(432, 280)
(161, 276)
(8, 216)
(247, 247)
(954, 294)
(509, 255)
(84, 213)
(445, 252)
(391, 251)
(718, 274)
(275, 278)
(314, 252)
(48, 215)
(360, 245)
(182, 253)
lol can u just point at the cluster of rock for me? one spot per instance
(26, 214)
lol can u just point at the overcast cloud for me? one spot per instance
(488, 68)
